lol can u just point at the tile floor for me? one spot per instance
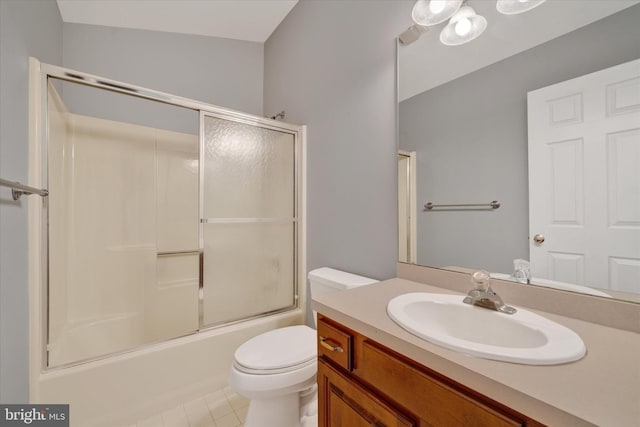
(222, 408)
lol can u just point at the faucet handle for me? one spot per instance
(480, 280)
(482, 295)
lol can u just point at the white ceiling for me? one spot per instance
(427, 63)
(250, 20)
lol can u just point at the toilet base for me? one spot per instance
(280, 411)
(309, 407)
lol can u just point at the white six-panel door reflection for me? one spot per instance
(584, 179)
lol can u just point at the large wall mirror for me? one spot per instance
(463, 140)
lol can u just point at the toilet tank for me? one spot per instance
(324, 280)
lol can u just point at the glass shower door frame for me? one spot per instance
(269, 124)
(39, 262)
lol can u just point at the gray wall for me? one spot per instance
(27, 28)
(471, 139)
(223, 72)
(331, 65)
(218, 71)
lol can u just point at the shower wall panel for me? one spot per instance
(121, 195)
(172, 302)
(177, 191)
(110, 252)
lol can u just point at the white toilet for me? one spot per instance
(277, 370)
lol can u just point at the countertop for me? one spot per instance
(601, 389)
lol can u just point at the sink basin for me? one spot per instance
(523, 337)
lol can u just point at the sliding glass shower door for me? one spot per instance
(165, 216)
(122, 222)
(248, 220)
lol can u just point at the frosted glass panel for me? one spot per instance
(248, 270)
(248, 171)
(248, 220)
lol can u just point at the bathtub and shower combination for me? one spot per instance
(173, 232)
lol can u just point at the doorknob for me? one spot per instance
(538, 239)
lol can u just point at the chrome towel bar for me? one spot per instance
(17, 189)
(461, 207)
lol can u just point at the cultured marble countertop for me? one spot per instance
(602, 389)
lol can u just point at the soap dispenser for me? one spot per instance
(521, 270)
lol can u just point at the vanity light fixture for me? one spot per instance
(432, 12)
(463, 27)
(464, 23)
(412, 34)
(512, 7)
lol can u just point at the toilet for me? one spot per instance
(277, 370)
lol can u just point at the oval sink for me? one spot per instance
(523, 337)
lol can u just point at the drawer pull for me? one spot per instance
(325, 344)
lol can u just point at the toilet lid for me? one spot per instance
(277, 349)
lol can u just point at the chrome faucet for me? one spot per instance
(521, 271)
(483, 296)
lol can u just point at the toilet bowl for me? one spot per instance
(277, 370)
(271, 370)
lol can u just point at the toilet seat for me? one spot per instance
(286, 369)
(278, 351)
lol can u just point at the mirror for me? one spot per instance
(463, 130)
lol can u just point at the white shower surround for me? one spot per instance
(117, 282)
(122, 388)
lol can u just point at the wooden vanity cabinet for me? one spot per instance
(347, 403)
(363, 383)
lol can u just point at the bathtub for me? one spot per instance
(119, 331)
(121, 389)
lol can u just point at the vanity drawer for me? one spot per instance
(335, 344)
(345, 403)
(433, 401)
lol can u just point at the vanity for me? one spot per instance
(362, 382)
(373, 372)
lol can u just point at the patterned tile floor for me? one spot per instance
(222, 408)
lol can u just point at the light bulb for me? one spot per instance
(463, 26)
(436, 6)
(433, 12)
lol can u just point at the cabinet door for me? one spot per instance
(429, 398)
(343, 403)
